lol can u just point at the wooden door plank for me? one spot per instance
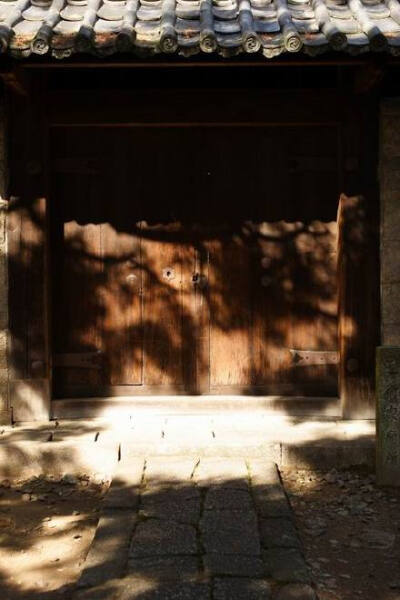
(314, 316)
(122, 306)
(80, 298)
(272, 304)
(230, 311)
(165, 344)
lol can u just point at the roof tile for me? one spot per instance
(63, 27)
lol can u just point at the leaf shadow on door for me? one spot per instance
(198, 307)
(183, 265)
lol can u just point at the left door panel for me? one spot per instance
(97, 295)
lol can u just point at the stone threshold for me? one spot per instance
(89, 446)
(125, 406)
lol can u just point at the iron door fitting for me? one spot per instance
(199, 280)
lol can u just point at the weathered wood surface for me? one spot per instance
(230, 312)
(233, 108)
(357, 271)
(121, 292)
(167, 273)
(178, 287)
(82, 360)
(30, 367)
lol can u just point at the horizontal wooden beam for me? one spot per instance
(176, 107)
(168, 124)
(186, 63)
(199, 62)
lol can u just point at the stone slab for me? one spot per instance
(106, 591)
(391, 333)
(390, 215)
(139, 589)
(390, 252)
(108, 553)
(268, 492)
(325, 456)
(125, 486)
(271, 501)
(388, 415)
(28, 459)
(157, 537)
(279, 532)
(182, 505)
(286, 565)
(226, 498)
(166, 470)
(164, 568)
(296, 591)
(263, 472)
(241, 589)
(222, 472)
(390, 294)
(237, 565)
(230, 532)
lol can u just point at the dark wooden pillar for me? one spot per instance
(28, 261)
(358, 287)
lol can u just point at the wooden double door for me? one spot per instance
(194, 260)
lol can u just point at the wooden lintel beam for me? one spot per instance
(187, 63)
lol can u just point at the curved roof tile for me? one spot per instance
(228, 27)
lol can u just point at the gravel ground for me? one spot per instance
(46, 527)
(351, 532)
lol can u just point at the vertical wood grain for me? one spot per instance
(357, 309)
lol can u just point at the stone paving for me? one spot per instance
(194, 529)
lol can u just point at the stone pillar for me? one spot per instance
(388, 355)
(390, 221)
(4, 386)
(388, 415)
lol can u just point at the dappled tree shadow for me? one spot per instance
(250, 235)
(144, 579)
(175, 283)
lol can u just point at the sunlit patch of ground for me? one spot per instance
(46, 527)
(351, 532)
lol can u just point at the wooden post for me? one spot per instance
(28, 268)
(358, 309)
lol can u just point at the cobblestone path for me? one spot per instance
(194, 529)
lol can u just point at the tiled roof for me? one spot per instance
(228, 27)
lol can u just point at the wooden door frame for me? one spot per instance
(30, 298)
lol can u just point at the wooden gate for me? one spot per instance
(194, 260)
(187, 241)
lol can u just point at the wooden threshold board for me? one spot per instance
(109, 407)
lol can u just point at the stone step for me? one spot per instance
(124, 407)
(94, 446)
